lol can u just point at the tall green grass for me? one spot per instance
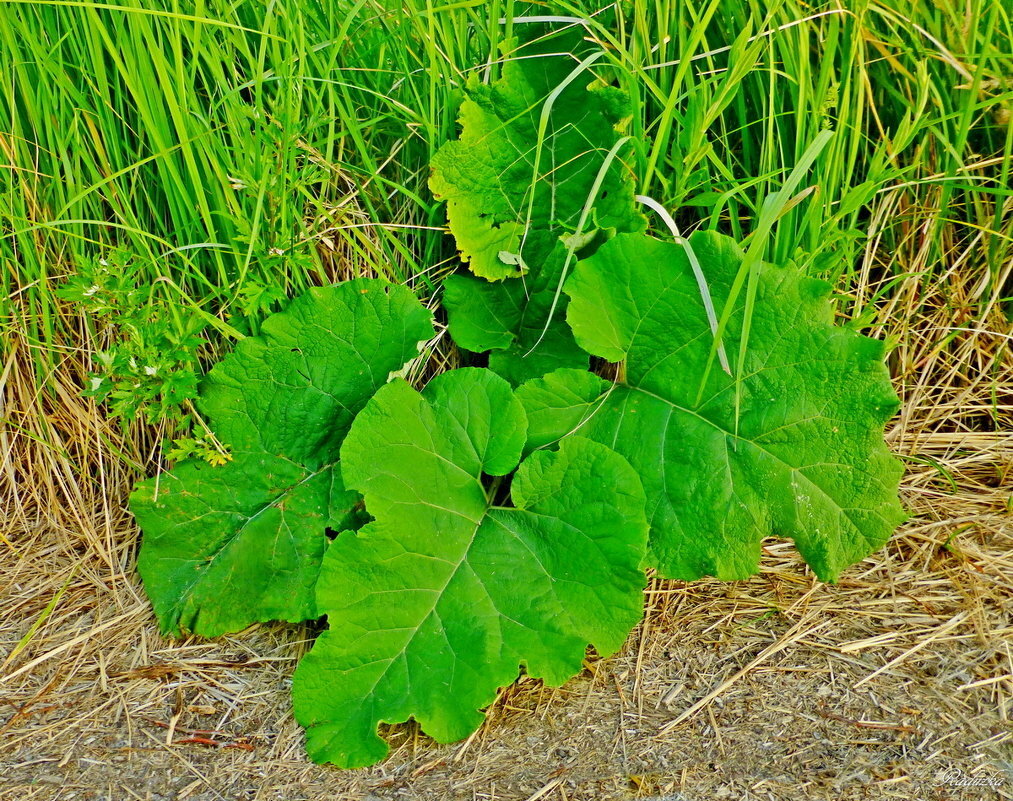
(234, 146)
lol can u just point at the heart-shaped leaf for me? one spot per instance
(436, 603)
(228, 546)
(800, 454)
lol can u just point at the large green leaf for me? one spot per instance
(436, 603)
(530, 182)
(803, 455)
(227, 546)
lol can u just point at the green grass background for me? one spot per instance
(223, 155)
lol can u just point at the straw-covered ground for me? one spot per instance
(895, 683)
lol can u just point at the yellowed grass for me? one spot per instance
(778, 687)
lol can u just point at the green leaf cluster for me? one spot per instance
(502, 519)
(537, 177)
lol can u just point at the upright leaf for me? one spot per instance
(532, 160)
(224, 547)
(436, 603)
(803, 457)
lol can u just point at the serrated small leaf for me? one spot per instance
(488, 175)
(804, 455)
(520, 240)
(436, 604)
(224, 547)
